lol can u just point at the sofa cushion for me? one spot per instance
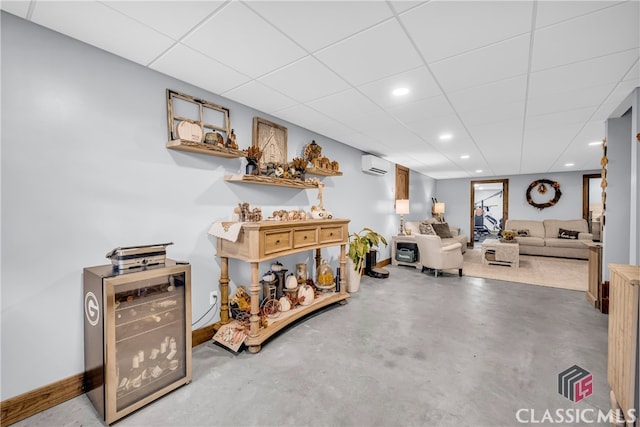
(426, 228)
(567, 234)
(530, 241)
(552, 226)
(536, 228)
(442, 230)
(564, 243)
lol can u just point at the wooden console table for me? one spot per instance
(265, 240)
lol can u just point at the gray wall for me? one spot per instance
(457, 192)
(85, 169)
(622, 224)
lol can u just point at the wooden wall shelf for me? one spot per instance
(323, 172)
(201, 148)
(268, 180)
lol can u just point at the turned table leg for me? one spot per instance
(254, 290)
(224, 291)
(343, 269)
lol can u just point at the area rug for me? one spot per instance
(534, 270)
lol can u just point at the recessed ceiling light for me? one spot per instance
(464, 156)
(569, 164)
(446, 136)
(478, 170)
(595, 143)
(401, 91)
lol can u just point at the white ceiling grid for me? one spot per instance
(522, 86)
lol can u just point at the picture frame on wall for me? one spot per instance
(271, 139)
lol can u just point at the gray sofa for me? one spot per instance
(542, 238)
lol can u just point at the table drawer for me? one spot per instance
(277, 241)
(304, 237)
(331, 234)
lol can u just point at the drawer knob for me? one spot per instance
(277, 242)
(331, 234)
(305, 237)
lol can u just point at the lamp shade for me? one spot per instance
(438, 208)
(402, 206)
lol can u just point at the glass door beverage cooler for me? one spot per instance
(137, 335)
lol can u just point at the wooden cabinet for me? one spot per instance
(622, 366)
(265, 240)
(137, 335)
(595, 273)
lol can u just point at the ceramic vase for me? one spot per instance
(353, 277)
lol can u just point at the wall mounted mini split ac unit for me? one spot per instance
(374, 165)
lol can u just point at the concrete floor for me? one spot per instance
(410, 350)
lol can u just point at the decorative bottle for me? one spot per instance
(135, 375)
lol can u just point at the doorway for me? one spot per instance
(489, 208)
(592, 207)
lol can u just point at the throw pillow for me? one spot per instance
(442, 230)
(426, 228)
(567, 234)
(522, 233)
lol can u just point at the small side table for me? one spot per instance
(495, 252)
(404, 241)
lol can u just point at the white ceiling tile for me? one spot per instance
(236, 36)
(316, 24)
(488, 96)
(419, 81)
(495, 113)
(306, 80)
(500, 145)
(619, 94)
(430, 129)
(396, 135)
(584, 74)
(170, 17)
(442, 29)
(187, 64)
(551, 12)
(302, 116)
(634, 73)
(260, 97)
(19, 8)
(403, 5)
(486, 65)
(578, 115)
(94, 23)
(607, 31)
(371, 55)
(429, 108)
(568, 100)
(345, 106)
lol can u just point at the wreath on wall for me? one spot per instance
(541, 186)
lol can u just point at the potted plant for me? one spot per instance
(359, 245)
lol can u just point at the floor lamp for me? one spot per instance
(402, 207)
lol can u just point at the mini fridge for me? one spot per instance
(137, 335)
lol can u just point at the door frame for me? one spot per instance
(585, 193)
(505, 203)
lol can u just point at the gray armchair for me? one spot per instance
(437, 257)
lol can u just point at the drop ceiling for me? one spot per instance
(521, 87)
